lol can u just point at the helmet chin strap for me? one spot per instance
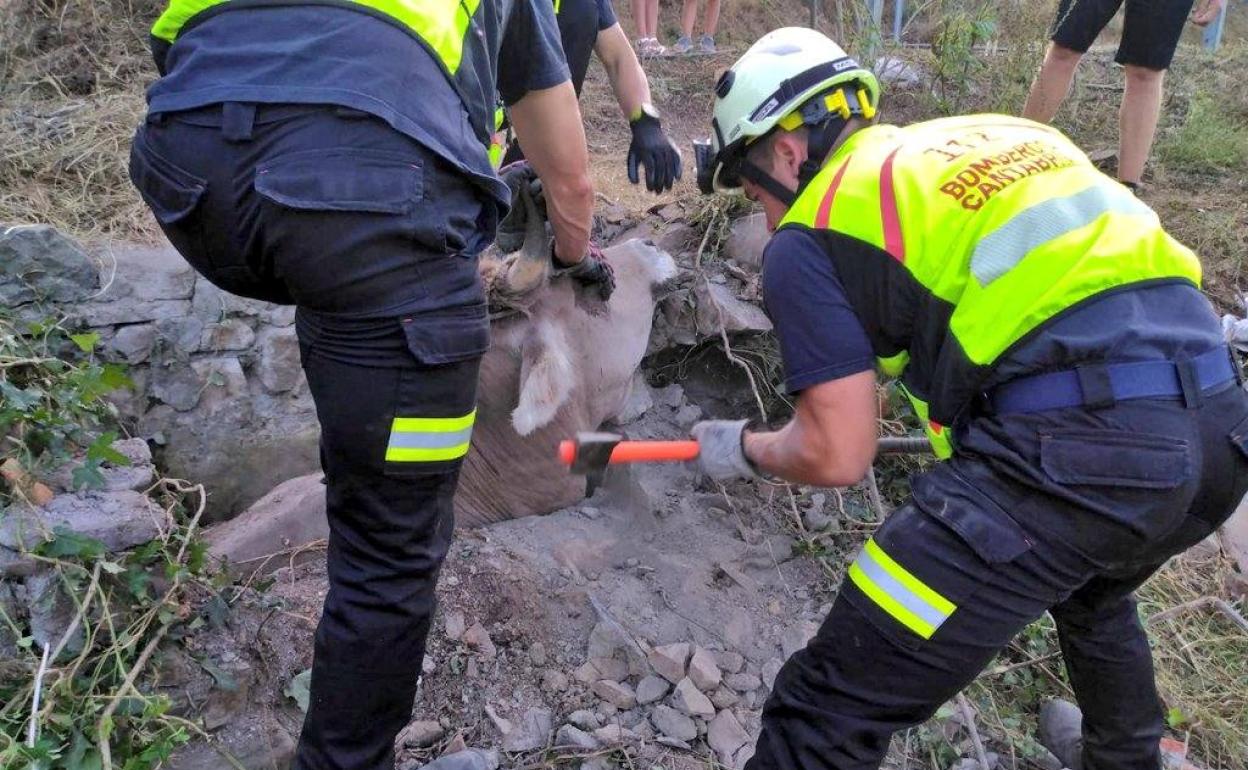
(819, 143)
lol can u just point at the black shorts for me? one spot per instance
(1150, 30)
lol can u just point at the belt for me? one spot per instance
(1101, 385)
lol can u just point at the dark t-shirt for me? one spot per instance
(322, 54)
(822, 338)
(580, 21)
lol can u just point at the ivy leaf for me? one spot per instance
(112, 567)
(67, 543)
(298, 689)
(21, 399)
(101, 450)
(222, 677)
(113, 376)
(1176, 719)
(86, 342)
(87, 476)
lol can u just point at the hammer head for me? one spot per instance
(593, 452)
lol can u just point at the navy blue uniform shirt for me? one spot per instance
(821, 338)
(322, 54)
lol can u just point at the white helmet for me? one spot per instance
(775, 84)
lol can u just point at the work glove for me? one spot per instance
(593, 269)
(520, 178)
(651, 148)
(721, 449)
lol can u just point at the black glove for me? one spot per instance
(517, 176)
(593, 269)
(652, 148)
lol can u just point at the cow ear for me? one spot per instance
(546, 378)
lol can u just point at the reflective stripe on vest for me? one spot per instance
(429, 439)
(986, 227)
(895, 590)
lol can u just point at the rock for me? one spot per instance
(724, 698)
(673, 724)
(669, 661)
(291, 516)
(133, 343)
(569, 736)
(747, 240)
(703, 670)
(672, 743)
(585, 719)
(994, 761)
(231, 334)
(227, 706)
(717, 306)
(816, 520)
(605, 640)
(478, 639)
(537, 653)
(278, 367)
(147, 274)
(739, 629)
(51, 611)
(770, 670)
(9, 603)
(531, 732)
(614, 735)
(39, 263)
(119, 520)
(796, 637)
(729, 662)
(651, 688)
(617, 694)
(98, 314)
(554, 681)
(688, 699)
(898, 73)
(471, 759)
(455, 625)
(421, 733)
(180, 334)
(180, 386)
(729, 740)
(137, 476)
(610, 668)
(265, 747)
(1234, 536)
(743, 682)
(455, 745)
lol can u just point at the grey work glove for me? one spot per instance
(721, 449)
(521, 179)
(593, 269)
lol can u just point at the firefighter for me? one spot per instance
(333, 155)
(1051, 337)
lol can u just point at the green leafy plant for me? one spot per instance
(957, 65)
(52, 405)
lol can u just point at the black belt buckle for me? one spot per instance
(1097, 388)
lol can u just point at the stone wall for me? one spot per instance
(219, 393)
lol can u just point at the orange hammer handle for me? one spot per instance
(639, 451)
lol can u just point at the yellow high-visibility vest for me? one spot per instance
(442, 26)
(985, 227)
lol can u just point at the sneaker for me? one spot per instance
(707, 44)
(683, 46)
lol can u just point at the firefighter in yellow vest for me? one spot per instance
(1052, 338)
(333, 155)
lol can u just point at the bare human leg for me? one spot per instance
(1052, 83)
(1137, 120)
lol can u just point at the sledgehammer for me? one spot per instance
(589, 453)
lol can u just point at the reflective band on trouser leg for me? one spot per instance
(903, 596)
(429, 439)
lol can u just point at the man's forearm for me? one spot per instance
(624, 71)
(548, 126)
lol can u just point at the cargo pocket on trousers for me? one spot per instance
(435, 406)
(173, 194)
(1140, 481)
(343, 180)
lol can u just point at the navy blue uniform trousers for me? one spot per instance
(366, 232)
(1066, 511)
